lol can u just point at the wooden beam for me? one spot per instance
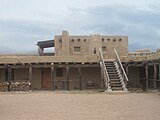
(67, 77)
(30, 76)
(80, 77)
(147, 77)
(155, 76)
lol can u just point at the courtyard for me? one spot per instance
(48, 105)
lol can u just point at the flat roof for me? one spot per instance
(46, 43)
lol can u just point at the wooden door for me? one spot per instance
(46, 79)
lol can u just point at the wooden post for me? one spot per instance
(30, 76)
(159, 70)
(102, 76)
(67, 77)
(155, 76)
(146, 70)
(9, 74)
(80, 77)
(53, 76)
(40, 51)
(127, 69)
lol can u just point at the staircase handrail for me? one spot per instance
(121, 67)
(106, 76)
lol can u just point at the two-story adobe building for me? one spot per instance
(80, 62)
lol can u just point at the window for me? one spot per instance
(114, 40)
(102, 39)
(60, 40)
(103, 48)
(77, 49)
(94, 51)
(120, 39)
(108, 39)
(59, 72)
(78, 39)
(72, 40)
(84, 40)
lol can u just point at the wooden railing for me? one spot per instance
(124, 75)
(104, 71)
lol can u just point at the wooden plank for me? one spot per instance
(155, 76)
(146, 71)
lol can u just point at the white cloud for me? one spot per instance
(26, 22)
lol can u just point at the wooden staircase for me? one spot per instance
(113, 74)
(116, 82)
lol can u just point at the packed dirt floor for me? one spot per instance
(79, 106)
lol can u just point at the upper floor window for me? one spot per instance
(104, 48)
(72, 40)
(78, 39)
(60, 40)
(114, 40)
(77, 49)
(94, 51)
(120, 39)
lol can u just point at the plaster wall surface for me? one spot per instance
(36, 80)
(90, 44)
(21, 74)
(133, 76)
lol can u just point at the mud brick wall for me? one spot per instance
(4, 87)
(19, 86)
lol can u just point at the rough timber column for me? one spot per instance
(159, 70)
(53, 76)
(127, 69)
(65, 43)
(80, 77)
(9, 74)
(40, 51)
(155, 76)
(146, 69)
(30, 75)
(67, 77)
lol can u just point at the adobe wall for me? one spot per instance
(133, 76)
(36, 80)
(21, 74)
(88, 74)
(65, 45)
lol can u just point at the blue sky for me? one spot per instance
(24, 22)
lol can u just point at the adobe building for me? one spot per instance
(82, 62)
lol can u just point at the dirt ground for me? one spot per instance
(79, 106)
